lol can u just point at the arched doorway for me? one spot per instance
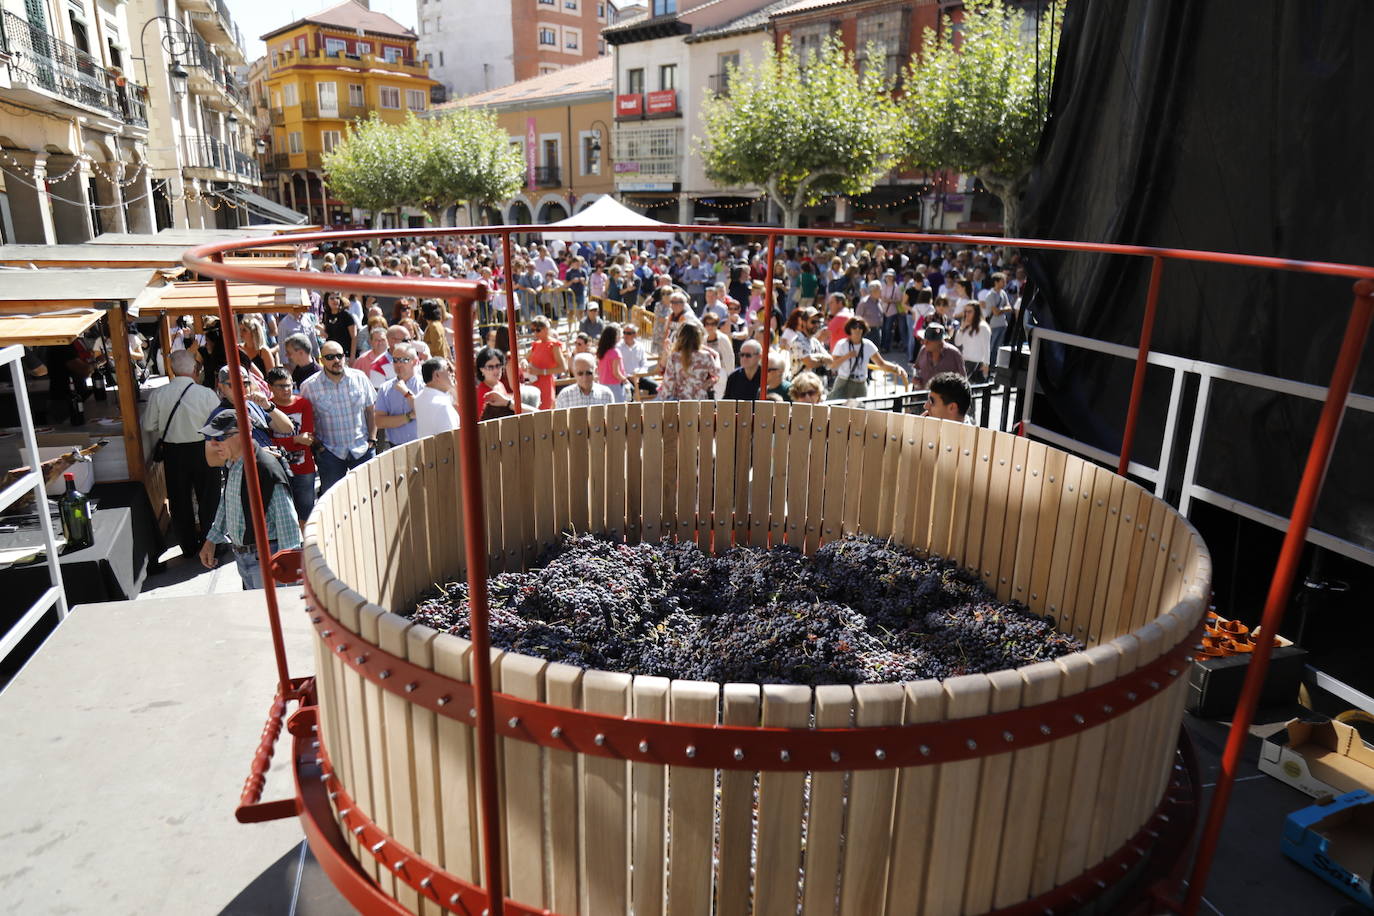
(552, 212)
(520, 214)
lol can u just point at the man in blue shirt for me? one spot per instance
(395, 405)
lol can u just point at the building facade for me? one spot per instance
(560, 123)
(73, 123)
(200, 141)
(517, 40)
(322, 72)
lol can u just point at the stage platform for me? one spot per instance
(127, 738)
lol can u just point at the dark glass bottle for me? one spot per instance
(75, 507)
(98, 385)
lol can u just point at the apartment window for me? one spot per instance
(276, 100)
(335, 46)
(329, 139)
(885, 34)
(570, 5)
(725, 64)
(548, 37)
(297, 145)
(601, 46)
(807, 40)
(634, 81)
(548, 2)
(572, 39)
(415, 99)
(601, 11)
(355, 95)
(328, 94)
(302, 47)
(391, 55)
(390, 97)
(275, 60)
(441, 58)
(667, 76)
(546, 69)
(364, 47)
(289, 94)
(664, 7)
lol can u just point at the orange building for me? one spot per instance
(323, 71)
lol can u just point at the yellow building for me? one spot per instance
(323, 71)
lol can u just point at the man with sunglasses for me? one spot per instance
(344, 421)
(395, 406)
(232, 524)
(587, 391)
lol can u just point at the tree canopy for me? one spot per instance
(976, 96)
(801, 130)
(430, 164)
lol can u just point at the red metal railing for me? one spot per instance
(208, 260)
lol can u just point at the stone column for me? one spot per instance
(140, 197)
(686, 209)
(843, 210)
(30, 206)
(71, 200)
(111, 196)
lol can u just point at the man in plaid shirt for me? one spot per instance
(344, 423)
(231, 525)
(587, 391)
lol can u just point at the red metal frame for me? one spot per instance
(208, 260)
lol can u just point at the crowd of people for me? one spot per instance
(327, 387)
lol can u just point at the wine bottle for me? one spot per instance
(75, 508)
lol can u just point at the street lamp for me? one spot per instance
(176, 41)
(596, 145)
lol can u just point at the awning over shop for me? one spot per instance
(55, 289)
(46, 330)
(264, 208)
(200, 299)
(96, 254)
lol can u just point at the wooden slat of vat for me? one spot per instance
(761, 472)
(817, 463)
(995, 515)
(825, 818)
(457, 770)
(1033, 482)
(1044, 545)
(740, 706)
(777, 484)
(908, 469)
(872, 486)
(892, 459)
(943, 488)
(691, 807)
(605, 816)
(1141, 734)
(360, 770)
(872, 793)
(838, 466)
(368, 616)
(563, 686)
(562, 500)
(649, 819)
(1064, 567)
(653, 471)
(517, 509)
(1074, 847)
(1121, 528)
(1106, 560)
(990, 816)
(966, 445)
(911, 824)
(545, 531)
(799, 458)
(956, 798)
(450, 553)
(615, 473)
(634, 470)
(492, 468)
(781, 806)
(723, 490)
(1095, 491)
(745, 413)
(523, 762)
(927, 445)
(983, 447)
(579, 468)
(1142, 612)
(1120, 742)
(425, 732)
(854, 468)
(1011, 522)
(1059, 784)
(669, 430)
(1027, 792)
(686, 482)
(706, 476)
(596, 469)
(396, 540)
(368, 520)
(399, 742)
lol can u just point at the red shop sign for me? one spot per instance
(662, 102)
(628, 106)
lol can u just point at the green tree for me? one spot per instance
(801, 131)
(976, 97)
(429, 164)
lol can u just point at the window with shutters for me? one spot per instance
(329, 139)
(355, 95)
(415, 99)
(296, 143)
(389, 96)
(548, 38)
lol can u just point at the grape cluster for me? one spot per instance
(860, 610)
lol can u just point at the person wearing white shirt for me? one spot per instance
(434, 407)
(175, 414)
(635, 358)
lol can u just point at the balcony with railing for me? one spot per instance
(295, 58)
(281, 161)
(214, 155)
(42, 66)
(217, 27)
(246, 167)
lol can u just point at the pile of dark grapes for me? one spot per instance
(861, 610)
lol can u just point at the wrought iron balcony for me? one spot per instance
(41, 60)
(246, 167)
(209, 153)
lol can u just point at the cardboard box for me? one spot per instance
(1335, 840)
(1319, 757)
(1214, 684)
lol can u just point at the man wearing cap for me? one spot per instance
(232, 524)
(344, 421)
(936, 356)
(592, 325)
(265, 417)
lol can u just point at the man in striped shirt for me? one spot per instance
(344, 422)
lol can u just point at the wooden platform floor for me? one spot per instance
(128, 735)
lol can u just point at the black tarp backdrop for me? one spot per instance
(1227, 125)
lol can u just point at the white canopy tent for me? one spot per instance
(606, 211)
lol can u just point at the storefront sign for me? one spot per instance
(662, 103)
(627, 167)
(629, 106)
(644, 186)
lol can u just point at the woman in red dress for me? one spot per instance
(547, 358)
